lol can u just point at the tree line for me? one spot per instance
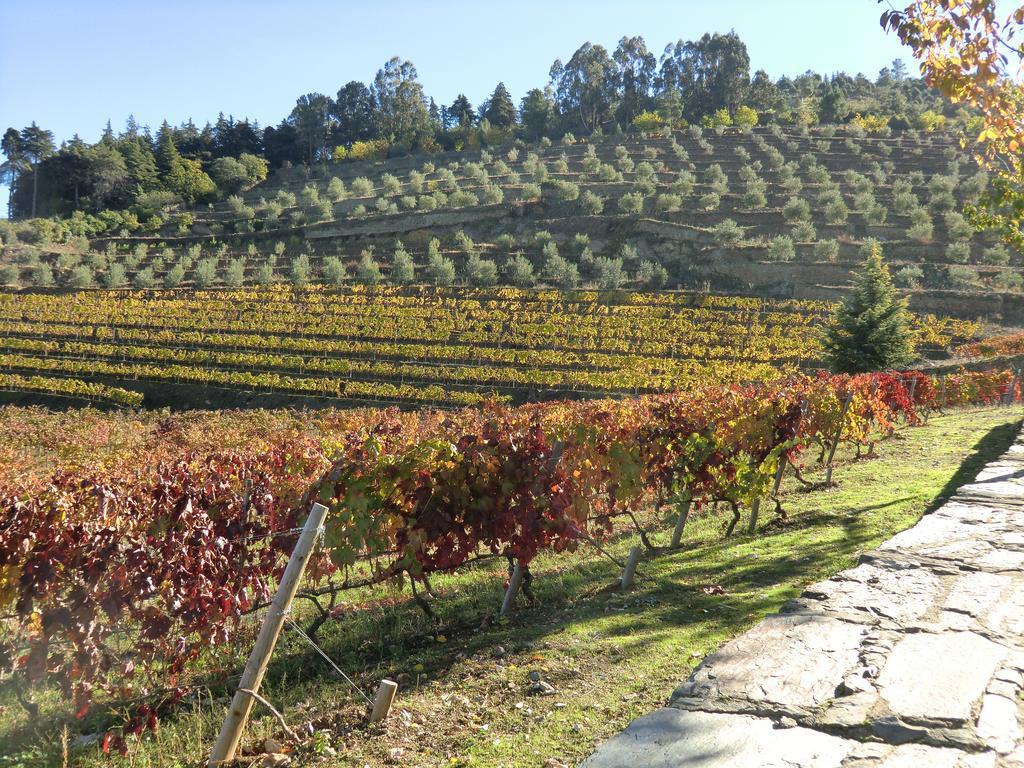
(593, 91)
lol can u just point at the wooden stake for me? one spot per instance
(513, 589)
(755, 509)
(382, 704)
(630, 570)
(684, 512)
(241, 705)
(835, 443)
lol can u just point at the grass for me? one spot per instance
(466, 697)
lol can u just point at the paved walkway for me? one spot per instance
(915, 658)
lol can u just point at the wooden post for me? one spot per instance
(630, 570)
(684, 512)
(382, 704)
(835, 443)
(241, 705)
(783, 461)
(513, 589)
(755, 509)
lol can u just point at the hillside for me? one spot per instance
(769, 212)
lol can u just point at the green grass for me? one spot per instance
(611, 656)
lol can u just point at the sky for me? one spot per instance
(78, 64)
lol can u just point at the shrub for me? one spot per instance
(403, 270)
(519, 271)
(962, 277)
(997, 255)
(714, 174)
(480, 272)
(921, 227)
(683, 184)
(81, 276)
(909, 276)
(427, 202)
(206, 273)
(591, 204)
(958, 252)
(324, 210)
(1009, 280)
(651, 275)
(561, 272)
(608, 173)
(530, 192)
(299, 271)
(9, 275)
(566, 190)
(836, 212)
(174, 276)
(803, 232)
(781, 249)
(826, 250)
(367, 269)
(876, 214)
(709, 201)
(335, 272)
(440, 269)
(796, 209)
(265, 274)
(863, 201)
(390, 185)
(904, 202)
(362, 187)
(668, 202)
(609, 273)
(491, 195)
(754, 197)
(234, 276)
(727, 233)
(336, 189)
(957, 227)
(310, 196)
(285, 199)
(462, 199)
(144, 278)
(631, 203)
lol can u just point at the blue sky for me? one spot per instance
(71, 66)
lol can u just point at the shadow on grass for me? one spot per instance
(385, 640)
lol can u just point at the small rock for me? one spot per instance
(272, 746)
(544, 689)
(535, 676)
(499, 651)
(787, 722)
(87, 740)
(275, 760)
(395, 753)
(553, 763)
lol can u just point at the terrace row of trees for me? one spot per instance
(593, 90)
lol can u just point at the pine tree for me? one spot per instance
(871, 330)
(501, 112)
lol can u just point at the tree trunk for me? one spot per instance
(35, 188)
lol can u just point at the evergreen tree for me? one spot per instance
(461, 111)
(871, 330)
(501, 112)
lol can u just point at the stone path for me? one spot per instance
(915, 658)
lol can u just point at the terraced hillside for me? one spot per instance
(771, 212)
(451, 346)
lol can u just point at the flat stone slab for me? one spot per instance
(790, 661)
(939, 677)
(672, 738)
(902, 595)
